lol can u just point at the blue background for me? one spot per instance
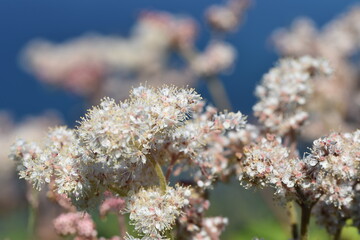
(24, 20)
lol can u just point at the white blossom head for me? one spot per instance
(284, 92)
(153, 212)
(128, 131)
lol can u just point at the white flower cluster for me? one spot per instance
(268, 163)
(331, 167)
(122, 147)
(204, 139)
(128, 132)
(153, 212)
(326, 174)
(31, 167)
(217, 57)
(32, 128)
(115, 145)
(336, 99)
(285, 90)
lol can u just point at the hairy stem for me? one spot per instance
(305, 221)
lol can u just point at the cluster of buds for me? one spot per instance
(79, 224)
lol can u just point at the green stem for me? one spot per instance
(160, 174)
(305, 221)
(293, 219)
(32, 196)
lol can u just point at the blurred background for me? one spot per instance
(32, 33)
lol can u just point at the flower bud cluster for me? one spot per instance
(111, 204)
(285, 90)
(76, 224)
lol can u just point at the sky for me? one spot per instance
(22, 21)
